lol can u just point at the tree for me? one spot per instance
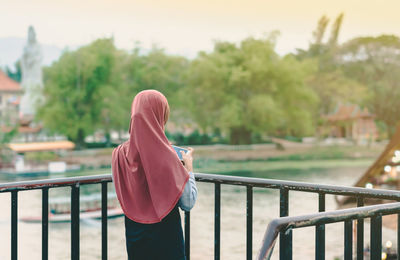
(333, 40)
(316, 47)
(319, 32)
(75, 90)
(333, 88)
(17, 74)
(249, 89)
(6, 154)
(159, 71)
(375, 62)
(329, 82)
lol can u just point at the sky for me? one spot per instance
(185, 27)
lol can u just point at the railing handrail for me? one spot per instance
(284, 224)
(283, 186)
(214, 178)
(52, 183)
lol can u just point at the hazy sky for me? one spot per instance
(187, 26)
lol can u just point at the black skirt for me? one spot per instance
(163, 240)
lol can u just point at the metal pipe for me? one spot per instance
(75, 222)
(14, 225)
(376, 237)
(320, 231)
(360, 232)
(285, 238)
(187, 235)
(104, 221)
(217, 221)
(45, 223)
(289, 223)
(214, 178)
(348, 240)
(398, 236)
(249, 223)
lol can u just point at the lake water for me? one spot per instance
(233, 220)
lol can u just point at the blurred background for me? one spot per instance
(298, 90)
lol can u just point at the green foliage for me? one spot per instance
(77, 91)
(15, 74)
(250, 89)
(333, 40)
(195, 138)
(328, 80)
(375, 62)
(246, 91)
(319, 32)
(333, 88)
(100, 145)
(159, 71)
(40, 157)
(6, 155)
(92, 88)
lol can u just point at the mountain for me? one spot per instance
(11, 49)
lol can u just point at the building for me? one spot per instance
(10, 94)
(351, 122)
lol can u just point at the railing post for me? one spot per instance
(376, 237)
(187, 235)
(217, 221)
(398, 236)
(348, 240)
(249, 222)
(104, 220)
(285, 240)
(320, 231)
(45, 223)
(360, 232)
(75, 222)
(14, 225)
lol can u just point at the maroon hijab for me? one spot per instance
(148, 176)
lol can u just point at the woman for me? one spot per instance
(151, 183)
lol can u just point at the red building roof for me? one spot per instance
(349, 112)
(7, 84)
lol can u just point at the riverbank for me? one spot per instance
(214, 157)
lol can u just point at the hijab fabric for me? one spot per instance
(148, 176)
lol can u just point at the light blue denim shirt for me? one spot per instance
(189, 195)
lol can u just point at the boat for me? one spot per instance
(90, 209)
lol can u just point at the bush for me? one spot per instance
(293, 139)
(195, 138)
(40, 157)
(99, 145)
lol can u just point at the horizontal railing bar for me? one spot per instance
(299, 186)
(53, 183)
(215, 178)
(287, 223)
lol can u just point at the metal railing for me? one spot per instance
(347, 216)
(284, 186)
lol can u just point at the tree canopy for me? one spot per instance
(76, 88)
(375, 62)
(239, 90)
(250, 89)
